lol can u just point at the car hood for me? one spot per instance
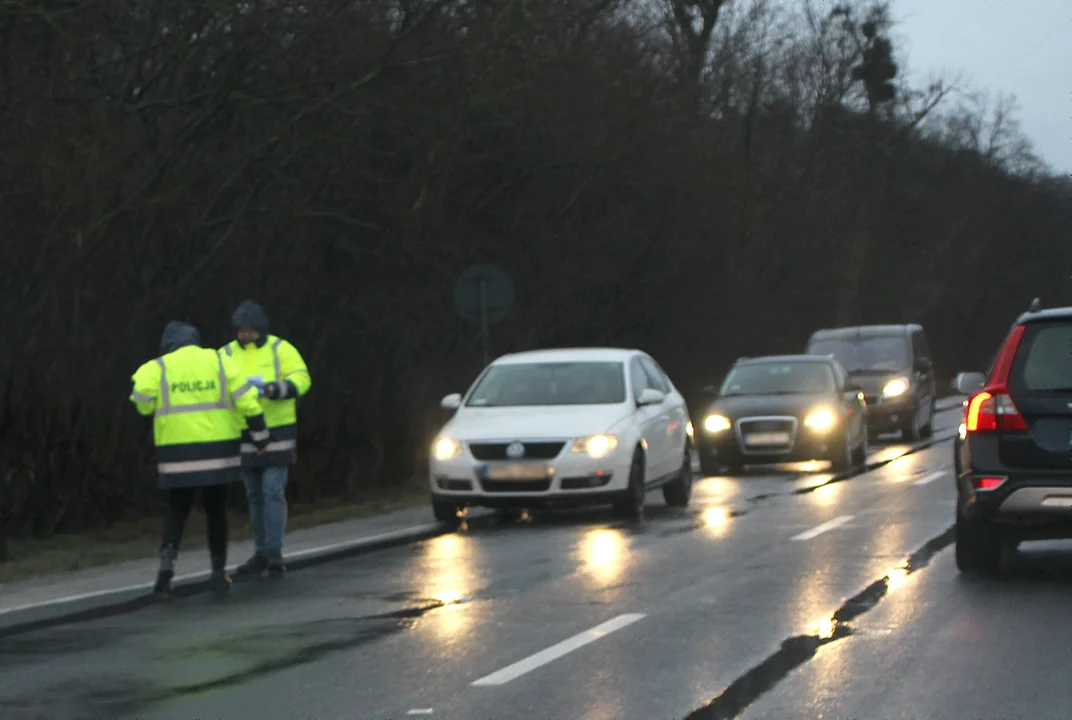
(754, 405)
(530, 423)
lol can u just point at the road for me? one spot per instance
(722, 609)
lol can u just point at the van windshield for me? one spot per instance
(876, 353)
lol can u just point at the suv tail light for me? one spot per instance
(992, 410)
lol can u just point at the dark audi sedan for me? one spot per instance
(1013, 456)
(784, 408)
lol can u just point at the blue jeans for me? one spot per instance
(266, 495)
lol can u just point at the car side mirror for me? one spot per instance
(451, 402)
(651, 396)
(969, 383)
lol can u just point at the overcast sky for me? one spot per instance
(1018, 46)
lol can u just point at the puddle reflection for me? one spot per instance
(715, 520)
(450, 573)
(602, 554)
(826, 494)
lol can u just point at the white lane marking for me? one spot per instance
(931, 477)
(511, 672)
(820, 529)
(419, 711)
(204, 575)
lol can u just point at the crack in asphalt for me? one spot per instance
(797, 650)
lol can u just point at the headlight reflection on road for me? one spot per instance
(602, 554)
(450, 574)
(715, 520)
(827, 494)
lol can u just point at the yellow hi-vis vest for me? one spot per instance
(200, 404)
(275, 360)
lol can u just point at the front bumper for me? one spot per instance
(728, 449)
(889, 415)
(569, 479)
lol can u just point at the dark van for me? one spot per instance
(893, 366)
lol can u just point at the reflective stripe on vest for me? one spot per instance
(198, 465)
(226, 402)
(275, 358)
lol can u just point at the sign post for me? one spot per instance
(483, 296)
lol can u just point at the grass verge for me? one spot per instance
(140, 539)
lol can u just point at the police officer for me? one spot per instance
(198, 401)
(278, 368)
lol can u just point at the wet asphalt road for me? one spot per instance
(694, 600)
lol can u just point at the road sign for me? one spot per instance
(484, 295)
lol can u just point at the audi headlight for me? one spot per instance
(716, 423)
(895, 387)
(596, 446)
(445, 449)
(820, 420)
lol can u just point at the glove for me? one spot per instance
(271, 390)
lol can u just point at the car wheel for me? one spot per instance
(978, 546)
(631, 505)
(678, 492)
(841, 455)
(910, 430)
(446, 511)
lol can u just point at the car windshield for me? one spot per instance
(779, 379)
(558, 383)
(874, 353)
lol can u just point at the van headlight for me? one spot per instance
(895, 387)
(820, 420)
(445, 449)
(596, 446)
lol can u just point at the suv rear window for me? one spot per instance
(1044, 359)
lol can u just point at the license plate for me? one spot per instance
(767, 438)
(518, 471)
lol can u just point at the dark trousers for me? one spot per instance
(214, 502)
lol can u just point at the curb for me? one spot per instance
(108, 603)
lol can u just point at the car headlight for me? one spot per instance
(689, 430)
(596, 446)
(445, 449)
(895, 387)
(716, 423)
(820, 420)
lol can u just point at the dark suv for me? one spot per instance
(893, 366)
(1013, 456)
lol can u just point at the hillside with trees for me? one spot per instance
(702, 179)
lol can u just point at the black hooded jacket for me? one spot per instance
(178, 335)
(251, 315)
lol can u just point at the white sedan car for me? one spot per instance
(564, 427)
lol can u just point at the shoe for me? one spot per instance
(162, 589)
(220, 582)
(277, 569)
(256, 565)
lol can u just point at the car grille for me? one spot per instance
(754, 426)
(533, 450)
(748, 427)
